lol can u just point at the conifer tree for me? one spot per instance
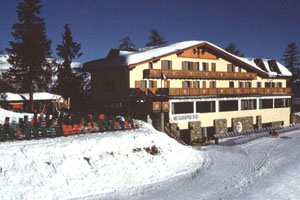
(126, 44)
(231, 48)
(29, 51)
(291, 57)
(69, 85)
(155, 39)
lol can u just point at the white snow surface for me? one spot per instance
(14, 116)
(84, 165)
(8, 96)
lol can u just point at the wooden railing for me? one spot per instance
(191, 74)
(209, 91)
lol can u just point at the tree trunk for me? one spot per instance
(31, 97)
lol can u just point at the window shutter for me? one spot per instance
(207, 66)
(210, 84)
(243, 84)
(162, 64)
(204, 84)
(194, 84)
(228, 67)
(213, 67)
(170, 64)
(182, 84)
(137, 84)
(155, 84)
(190, 84)
(182, 65)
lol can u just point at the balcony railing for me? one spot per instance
(209, 91)
(191, 74)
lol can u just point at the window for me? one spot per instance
(282, 103)
(187, 84)
(109, 86)
(205, 107)
(248, 84)
(151, 84)
(273, 85)
(267, 85)
(182, 107)
(258, 84)
(188, 65)
(248, 104)
(240, 84)
(213, 84)
(197, 84)
(228, 105)
(230, 68)
(231, 84)
(197, 66)
(204, 66)
(150, 65)
(166, 64)
(265, 103)
(143, 84)
(239, 69)
(279, 85)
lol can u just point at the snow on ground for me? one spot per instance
(83, 165)
(12, 115)
(265, 168)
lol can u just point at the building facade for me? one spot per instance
(192, 82)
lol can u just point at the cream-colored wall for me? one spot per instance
(221, 66)
(268, 115)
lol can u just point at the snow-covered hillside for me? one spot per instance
(83, 165)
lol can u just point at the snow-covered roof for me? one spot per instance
(130, 58)
(39, 96)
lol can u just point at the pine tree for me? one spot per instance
(126, 44)
(69, 85)
(29, 51)
(231, 48)
(291, 57)
(155, 39)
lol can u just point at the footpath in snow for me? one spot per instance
(83, 165)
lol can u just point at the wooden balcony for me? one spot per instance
(208, 91)
(191, 74)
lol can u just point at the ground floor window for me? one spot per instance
(248, 104)
(205, 107)
(265, 103)
(228, 105)
(182, 107)
(282, 103)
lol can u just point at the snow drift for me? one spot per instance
(77, 166)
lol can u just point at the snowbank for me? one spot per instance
(12, 115)
(77, 166)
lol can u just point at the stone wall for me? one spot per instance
(220, 126)
(195, 132)
(247, 123)
(259, 121)
(278, 123)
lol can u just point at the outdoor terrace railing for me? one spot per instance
(208, 91)
(192, 74)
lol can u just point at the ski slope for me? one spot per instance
(265, 168)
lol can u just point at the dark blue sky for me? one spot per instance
(260, 28)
